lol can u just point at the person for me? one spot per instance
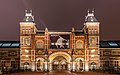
(60, 42)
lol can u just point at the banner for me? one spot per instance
(59, 41)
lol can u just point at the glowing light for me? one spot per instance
(27, 56)
(93, 51)
(92, 55)
(86, 67)
(26, 51)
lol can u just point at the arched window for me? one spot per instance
(89, 31)
(40, 44)
(27, 41)
(79, 44)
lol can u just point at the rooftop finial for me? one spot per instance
(88, 11)
(93, 10)
(30, 11)
(25, 11)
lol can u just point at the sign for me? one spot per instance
(59, 41)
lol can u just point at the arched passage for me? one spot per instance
(60, 60)
(64, 54)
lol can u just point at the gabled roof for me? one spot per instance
(9, 44)
(110, 44)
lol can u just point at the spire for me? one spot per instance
(90, 16)
(28, 16)
(46, 29)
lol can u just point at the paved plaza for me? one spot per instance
(59, 73)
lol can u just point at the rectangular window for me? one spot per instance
(113, 44)
(15, 45)
(6, 44)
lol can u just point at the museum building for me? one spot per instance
(76, 50)
(46, 50)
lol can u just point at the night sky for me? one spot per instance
(60, 15)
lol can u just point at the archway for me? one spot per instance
(79, 64)
(59, 61)
(39, 64)
(93, 65)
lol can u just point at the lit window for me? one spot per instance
(15, 45)
(6, 44)
(1, 44)
(92, 55)
(27, 41)
(112, 44)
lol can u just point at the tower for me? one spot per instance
(27, 48)
(91, 28)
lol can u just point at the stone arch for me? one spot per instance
(40, 59)
(39, 64)
(64, 54)
(79, 59)
(79, 64)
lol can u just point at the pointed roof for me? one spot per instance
(28, 16)
(90, 17)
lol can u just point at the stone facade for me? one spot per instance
(43, 50)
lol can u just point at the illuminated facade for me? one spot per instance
(43, 50)
(9, 54)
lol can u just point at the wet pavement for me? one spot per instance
(59, 73)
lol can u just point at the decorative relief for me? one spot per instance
(79, 44)
(40, 52)
(79, 52)
(40, 44)
(106, 53)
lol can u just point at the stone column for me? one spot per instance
(46, 66)
(33, 66)
(50, 67)
(74, 66)
(86, 66)
(69, 66)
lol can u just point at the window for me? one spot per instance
(93, 41)
(6, 44)
(27, 41)
(15, 44)
(23, 31)
(1, 44)
(90, 31)
(116, 63)
(113, 44)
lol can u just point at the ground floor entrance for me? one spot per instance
(59, 63)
